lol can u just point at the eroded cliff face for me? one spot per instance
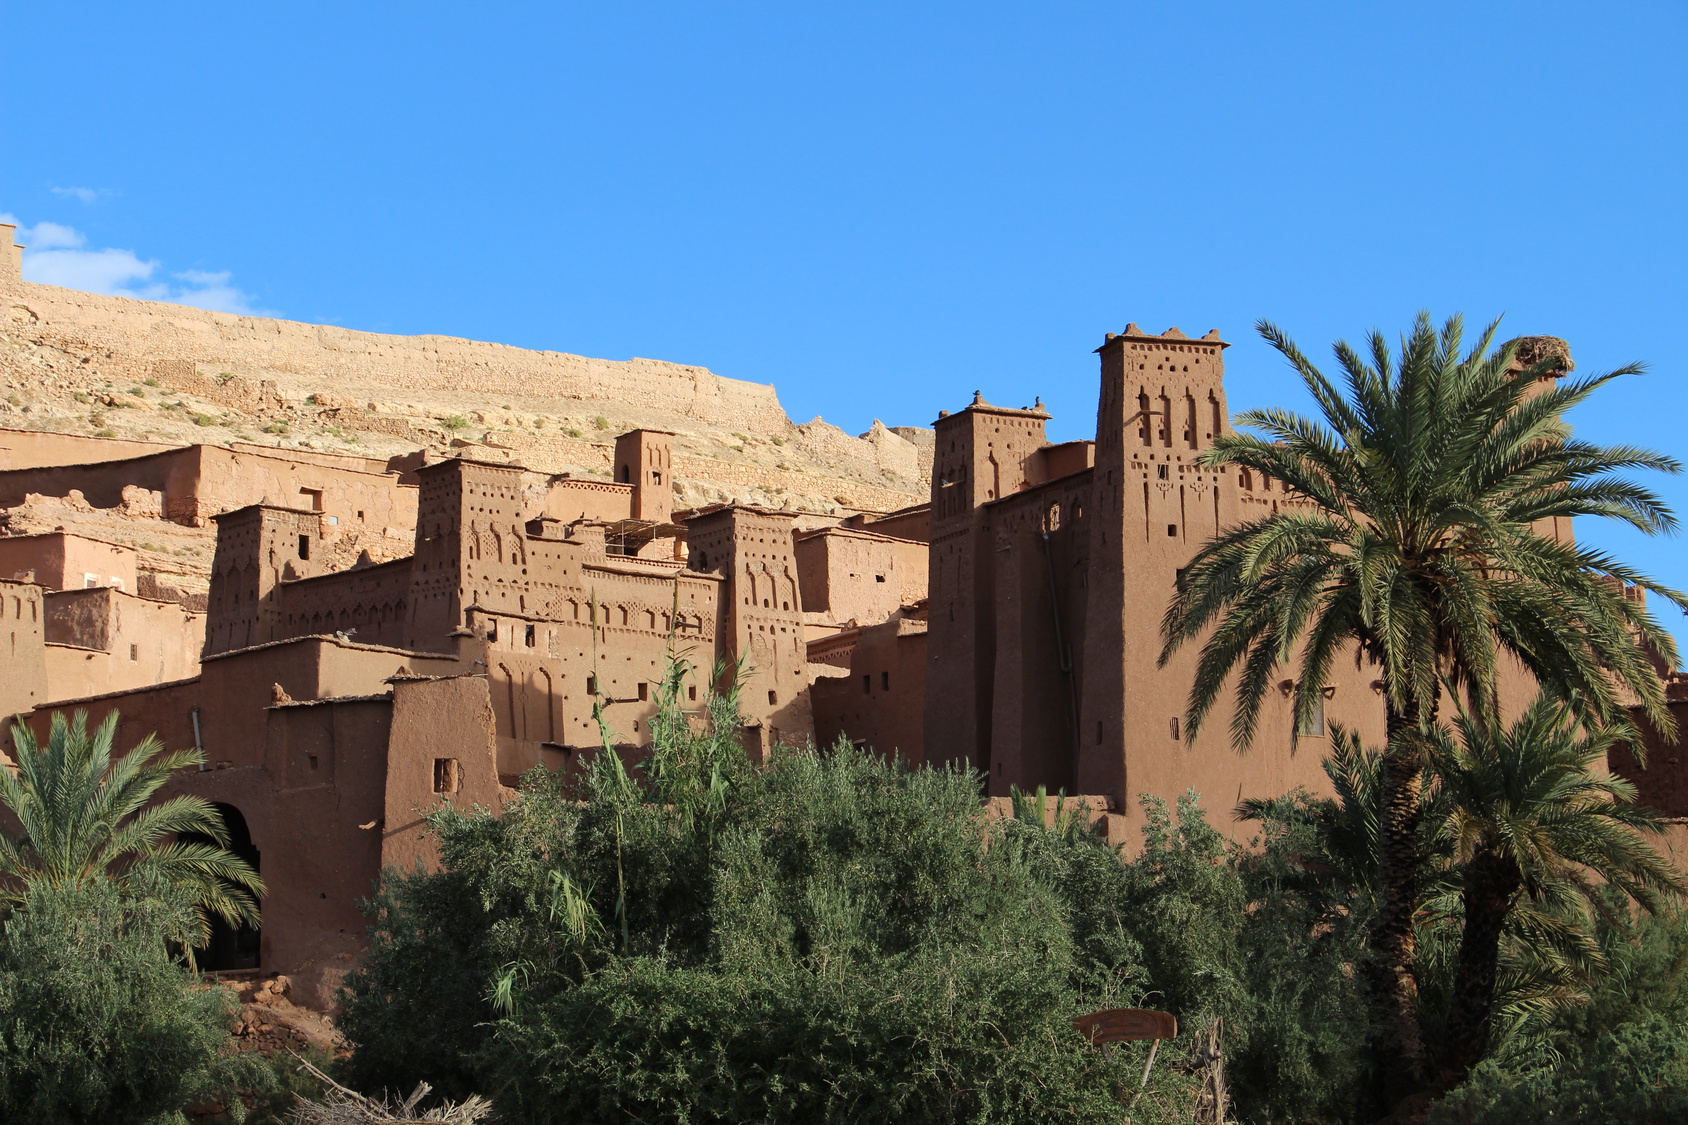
(145, 371)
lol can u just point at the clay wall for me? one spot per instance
(103, 640)
(1660, 779)
(913, 522)
(370, 602)
(35, 449)
(234, 690)
(349, 499)
(61, 561)
(441, 750)
(172, 472)
(23, 664)
(577, 498)
(762, 618)
(1040, 541)
(857, 576)
(198, 482)
(880, 703)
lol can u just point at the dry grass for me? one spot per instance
(348, 1107)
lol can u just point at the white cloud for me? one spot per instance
(86, 195)
(55, 254)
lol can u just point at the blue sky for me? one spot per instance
(881, 207)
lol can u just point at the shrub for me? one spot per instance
(454, 422)
(825, 938)
(97, 1023)
(599, 422)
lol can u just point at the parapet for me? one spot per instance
(1171, 335)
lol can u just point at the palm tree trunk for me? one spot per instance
(1392, 939)
(1491, 884)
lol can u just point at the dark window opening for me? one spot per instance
(1162, 472)
(1174, 728)
(773, 697)
(304, 546)
(591, 685)
(879, 578)
(134, 652)
(311, 760)
(1098, 732)
(492, 629)
(884, 681)
(447, 778)
(530, 635)
(644, 692)
(1172, 530)
(691, 693)
(867, 685)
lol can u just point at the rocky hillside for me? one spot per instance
(143, 371)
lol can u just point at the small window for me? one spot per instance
(879, 578)
(1314, 725)
(1173, 726)
(644, 692)
(134, 653)
(311, 760)
(884, 681)
(867, 685)
(304, 546)
(691, 693)
(360, 515)
(1098, 732)
(311, 498)
(591, 685)
(531, 633)
(1172, 530)
(492, 629)
(1162, 472)
(773, 697)
(446, 775)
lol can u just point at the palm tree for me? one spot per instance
(86, 817)
(1529, 821)
(1415, 542)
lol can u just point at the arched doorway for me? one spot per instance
(230, 947)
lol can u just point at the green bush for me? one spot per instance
(825, 938)
(454, 422)
(98, 1023)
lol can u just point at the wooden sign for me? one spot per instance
(1122, 1025)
